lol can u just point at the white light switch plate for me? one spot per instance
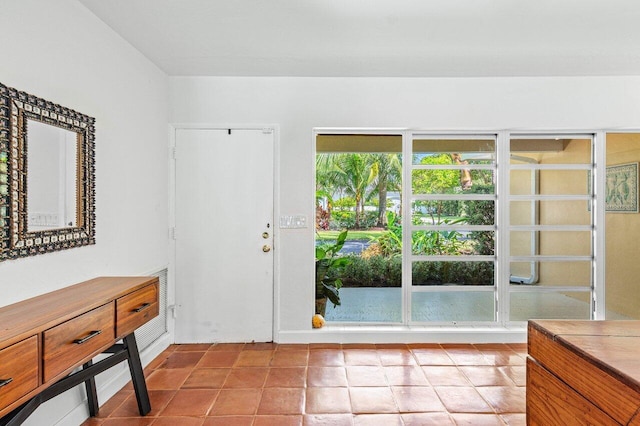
(293, 221)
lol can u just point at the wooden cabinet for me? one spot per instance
(45, 339)
(583, 372)
(18, 370)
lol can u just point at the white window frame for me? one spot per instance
(408, 227)
(502, 224)
(597, 249)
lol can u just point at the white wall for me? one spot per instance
(298, 105)
(59, 51)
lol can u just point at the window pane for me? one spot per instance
(549, 182)
(540, 305)
(474, 151)
(452, 243)
(550, 212)
(451, 273)
(552, 274)
(358, 188)
(452, 181)
(550, 243)
(453, 212)
(551, 151)
(367, 304)
(453, 306)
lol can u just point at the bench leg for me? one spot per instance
(137, 375)
(92, 396)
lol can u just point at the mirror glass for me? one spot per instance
(51, 177)
(47, 173)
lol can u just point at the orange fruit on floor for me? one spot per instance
(317, 321)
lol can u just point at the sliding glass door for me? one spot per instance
(466, 228)
(551, 227)
(358, 197)
(450, 237)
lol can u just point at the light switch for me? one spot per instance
(300, 221)
(293, 221)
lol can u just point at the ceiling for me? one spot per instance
(381, 38)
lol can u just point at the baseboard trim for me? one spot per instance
(380, 335)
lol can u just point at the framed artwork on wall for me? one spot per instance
(622, 188)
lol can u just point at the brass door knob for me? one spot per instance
(266, 248)
(265, 235)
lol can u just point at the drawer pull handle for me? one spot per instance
(142, 308)
(90, 336)
(5, 382)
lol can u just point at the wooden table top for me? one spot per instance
(612, 346)
(25, 318)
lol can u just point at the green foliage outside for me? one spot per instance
(482, 213)
(347, 220)
(365, 234)
(358, 177)
(329, 266)
(381, 271)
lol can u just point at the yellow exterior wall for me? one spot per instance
(622, 229)
(572, 182)
(623, 238)
(552, 182)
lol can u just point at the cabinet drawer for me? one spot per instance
(135, 309)
(18, 370)
(75, 341)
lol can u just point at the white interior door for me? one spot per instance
(224, 235)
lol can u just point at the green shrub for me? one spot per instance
(375, 271)
(380, 271)
(358, 273)
(482, 213)
(452, 273)
(347, 219)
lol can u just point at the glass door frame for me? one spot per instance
(408, 227)
(597, 182)
(502, 245)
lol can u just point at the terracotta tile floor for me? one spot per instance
(333, 384)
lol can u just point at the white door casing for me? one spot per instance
(224, 235)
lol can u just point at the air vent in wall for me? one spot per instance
(148, 333)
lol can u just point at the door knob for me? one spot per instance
(266, 248)
(265, 235)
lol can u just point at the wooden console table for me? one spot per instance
(45, 338)
(583, 372)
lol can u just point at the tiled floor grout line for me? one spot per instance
(382, 358)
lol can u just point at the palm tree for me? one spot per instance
(388, 178)
(351, 173)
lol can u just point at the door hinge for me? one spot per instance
(267, 130)
(172, 233)
(174, 310)
(173, 152)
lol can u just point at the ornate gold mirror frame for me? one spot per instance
(16, 238)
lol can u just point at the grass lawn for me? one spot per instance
(364, 234)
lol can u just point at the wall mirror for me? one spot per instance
(46, 176)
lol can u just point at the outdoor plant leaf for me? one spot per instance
(332, 294)
(320, 253)
(328, 265)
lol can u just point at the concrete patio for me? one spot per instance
(375, 304)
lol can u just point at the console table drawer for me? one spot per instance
(77, 340)
(135, 309)
(18, 370)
